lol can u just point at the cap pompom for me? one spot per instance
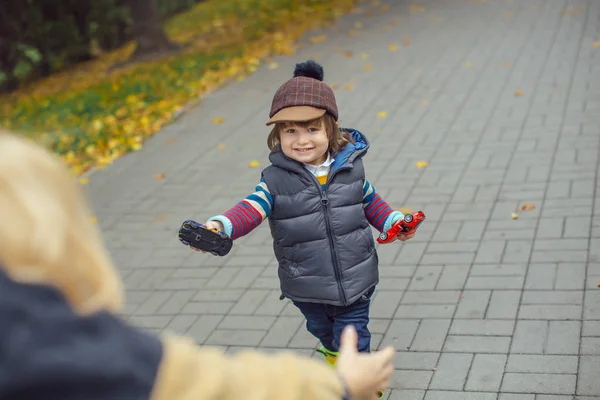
(309, 69)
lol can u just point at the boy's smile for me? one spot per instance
(307, 145)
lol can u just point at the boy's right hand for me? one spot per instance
(364, 373)
(212, 225)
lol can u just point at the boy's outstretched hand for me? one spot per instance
(211, 225)
(404, 238)
(364, 373)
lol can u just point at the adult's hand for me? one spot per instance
(364, 373)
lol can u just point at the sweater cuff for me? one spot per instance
(227, 225)
(391, 220)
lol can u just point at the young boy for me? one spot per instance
(319, 207)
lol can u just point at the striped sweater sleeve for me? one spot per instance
(248, 213)
(378, 212)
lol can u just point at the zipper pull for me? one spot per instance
(324, 200)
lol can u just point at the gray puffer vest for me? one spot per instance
(321, 237)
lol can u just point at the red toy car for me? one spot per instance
(408, 224)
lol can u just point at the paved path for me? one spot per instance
(480, 306)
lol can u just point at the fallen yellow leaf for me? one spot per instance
(506, 64)
(160, 176)
(406, 41)
(393, 47)
(424, 102)
(221, 146)
(348, 54)
(273, 65)
(349, 86)
(422, 164)
(160, 218)
(382, 114)
(514, 216)
(364, 56)
(596, 44)
(254, 164)
(358, 25)
(170, 140)
(318, 39)
(415, 8)
(84, 181)
(367, 68)
(93, 220)
(218, 120)
(405, 210)
(334, 85)
(518, 93)
(468, 64)
(527, 207)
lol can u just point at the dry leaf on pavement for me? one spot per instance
(93, 220)
(596, 44)
(468, 64)
(318, 39)
(382, 114)
(364, 56)
(514, 216)
(273, 65)
(160, 176)
(160, 218)
(334, 86)
(348, 54)
(406, 42)
(358, 25)
(518, 93)
(84, 181)
(221, 146)
(424, 102)
(393, 47)
(218, 120)
(367, 68)
(253, 164)
(422, 164)
(527, 207)
(349, 86)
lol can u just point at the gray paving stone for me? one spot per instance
(447, 395)
(406, 394)
(451, 372)
(431, 335)
(486, 372)
(473, 304)
(403, 379)
(542, 364)
(588, 382)
(539, 383)
(416, 360)
(477, 344)
(503, 304)
(482, 327)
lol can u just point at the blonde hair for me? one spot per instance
(337, 138)
(46, 233)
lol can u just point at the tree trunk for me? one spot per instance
(147, 28)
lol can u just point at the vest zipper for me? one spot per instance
(325, 204)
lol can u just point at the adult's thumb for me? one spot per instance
(349, 340)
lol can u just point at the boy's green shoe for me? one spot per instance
(330, 356)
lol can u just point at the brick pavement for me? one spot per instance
(479, 306)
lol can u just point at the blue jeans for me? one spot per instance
(326, 322)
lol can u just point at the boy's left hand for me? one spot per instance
(403, 237)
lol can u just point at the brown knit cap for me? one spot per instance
(304, 97)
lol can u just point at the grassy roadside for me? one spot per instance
(92, 114)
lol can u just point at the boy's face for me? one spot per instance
(307, 144)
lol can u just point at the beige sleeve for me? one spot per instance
(189, 372)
